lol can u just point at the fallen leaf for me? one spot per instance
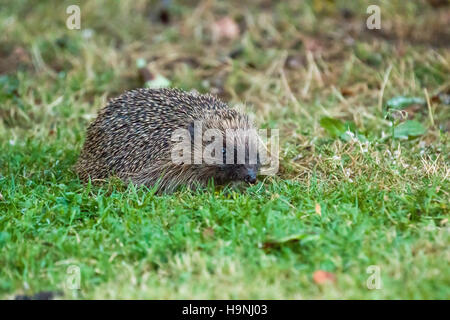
(321, 277)
(208, 233)
(334, 127)
(318, 209)
(338, 129)
(347, 92)
(225, 28)
(353, 90)
(402, 102)
(409, 129)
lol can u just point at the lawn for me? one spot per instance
(363, 182)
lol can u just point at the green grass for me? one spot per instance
(382, 201)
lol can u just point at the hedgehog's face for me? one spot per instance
(237, 157)
(236, 170)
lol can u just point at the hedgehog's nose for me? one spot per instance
(250, 177)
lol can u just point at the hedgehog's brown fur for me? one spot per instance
(131, 138)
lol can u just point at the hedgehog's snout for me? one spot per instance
(248, 173)
(250, 177)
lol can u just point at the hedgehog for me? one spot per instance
(152, 137)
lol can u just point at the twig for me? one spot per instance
(430, 112)
(383, 86)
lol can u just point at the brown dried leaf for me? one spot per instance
(321, 277)
(347, 92)
(208, 233)
(353, 90)
(225, 28)
(318, 209)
